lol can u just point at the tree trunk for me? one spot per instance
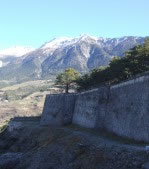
(67, 88)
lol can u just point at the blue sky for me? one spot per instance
(33, 22)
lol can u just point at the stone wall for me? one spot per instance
(87, 106)
(58, 109)
(122, 109)
(128, 109)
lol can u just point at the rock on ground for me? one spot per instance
(34, 147)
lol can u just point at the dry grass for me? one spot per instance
(30, 105)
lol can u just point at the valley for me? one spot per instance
(24, 99)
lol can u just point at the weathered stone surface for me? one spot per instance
(87, 107)
(147, 148)
(58, 109)
(146, 165)
(122, 109)
(14, 125)
(127, 111)
(9, 160)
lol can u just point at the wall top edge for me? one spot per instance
(138, 78)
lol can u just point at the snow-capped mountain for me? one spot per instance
(82, 53)
(11, 54)
(16, 51)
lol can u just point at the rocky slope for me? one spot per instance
(26, 145)
(82, 53)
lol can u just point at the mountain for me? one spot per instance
(9, 55)
(82, 53)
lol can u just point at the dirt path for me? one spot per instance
(31, 146)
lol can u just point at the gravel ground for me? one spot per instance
(35, 147)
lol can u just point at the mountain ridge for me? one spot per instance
(81, 53)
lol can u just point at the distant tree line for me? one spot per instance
(135, 61)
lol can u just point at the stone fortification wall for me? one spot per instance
(128, 109)
(87, 106)
(122, 109)
(58, 109)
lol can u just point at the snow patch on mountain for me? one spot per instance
(57, 42)
(1, 63)
(86, 37)
(16, 51)
(66, 41)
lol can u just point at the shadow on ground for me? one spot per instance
(24, 144)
